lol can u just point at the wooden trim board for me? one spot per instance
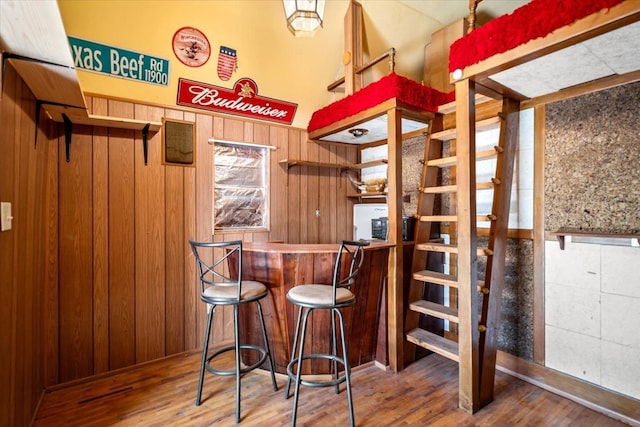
(599, 399)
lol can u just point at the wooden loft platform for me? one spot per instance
(34, 42)
(367, 109)
(375, 121)
(594, 52)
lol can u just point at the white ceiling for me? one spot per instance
(376, 130)
(611, 53)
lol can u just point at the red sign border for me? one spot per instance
(231, 112)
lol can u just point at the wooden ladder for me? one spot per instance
(474, 347)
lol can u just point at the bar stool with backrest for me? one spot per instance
(334, 297)
(219, 287)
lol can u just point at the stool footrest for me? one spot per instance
(223, 372)
(317, 382)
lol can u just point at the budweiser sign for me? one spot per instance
(243, 100)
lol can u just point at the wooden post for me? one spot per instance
(395, 315)
(469, 374)
(538, 234)
(498, 244)
(473, 4)
(352, 57)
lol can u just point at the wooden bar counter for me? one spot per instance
(280, 266)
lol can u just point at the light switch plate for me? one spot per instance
(5, 216)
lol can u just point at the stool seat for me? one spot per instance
(250, 290)
(334, 297)
(320, 296)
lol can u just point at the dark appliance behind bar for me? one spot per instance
(379, 228)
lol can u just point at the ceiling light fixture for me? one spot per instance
(304, 17)
(358, 132)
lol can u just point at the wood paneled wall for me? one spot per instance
(127, 290)
(25, 172)
(97, 273)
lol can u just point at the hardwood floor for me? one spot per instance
(162, 393)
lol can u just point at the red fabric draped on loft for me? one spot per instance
(531, 21)
(390, 86)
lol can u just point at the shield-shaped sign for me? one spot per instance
(227, 62)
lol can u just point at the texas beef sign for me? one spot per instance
(243, 100)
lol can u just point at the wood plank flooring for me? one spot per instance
(162, 393)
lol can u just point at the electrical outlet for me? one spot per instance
(5, 216)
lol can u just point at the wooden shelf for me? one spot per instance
(370, 164)
(372, 195)
(79, 116)
(295, 162)
(43, 60)
(562, 233)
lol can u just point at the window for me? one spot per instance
(521, 208)
(240, 196)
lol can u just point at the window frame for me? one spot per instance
(265, 224)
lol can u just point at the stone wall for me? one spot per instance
(592, 162)
(516, 316)
(412, 153)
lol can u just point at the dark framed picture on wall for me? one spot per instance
(178, 142)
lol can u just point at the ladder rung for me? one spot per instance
(449, 134)
(443, 162)
(435, 343)
(487, 154)
(446, 162)
(436, 310)
(445, 280)
(436, 277)
(440, 189)
(490, 123)
(437, 247)
(439, 218)
(451, 106)
(445, 135)
(452, 249)
(453, 188)
(484, 185)
(454, 218)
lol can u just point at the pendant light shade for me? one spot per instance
(304, 17)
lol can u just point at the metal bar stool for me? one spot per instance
(332, 297)
(218, 287)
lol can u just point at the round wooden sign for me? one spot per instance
(191, 47)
